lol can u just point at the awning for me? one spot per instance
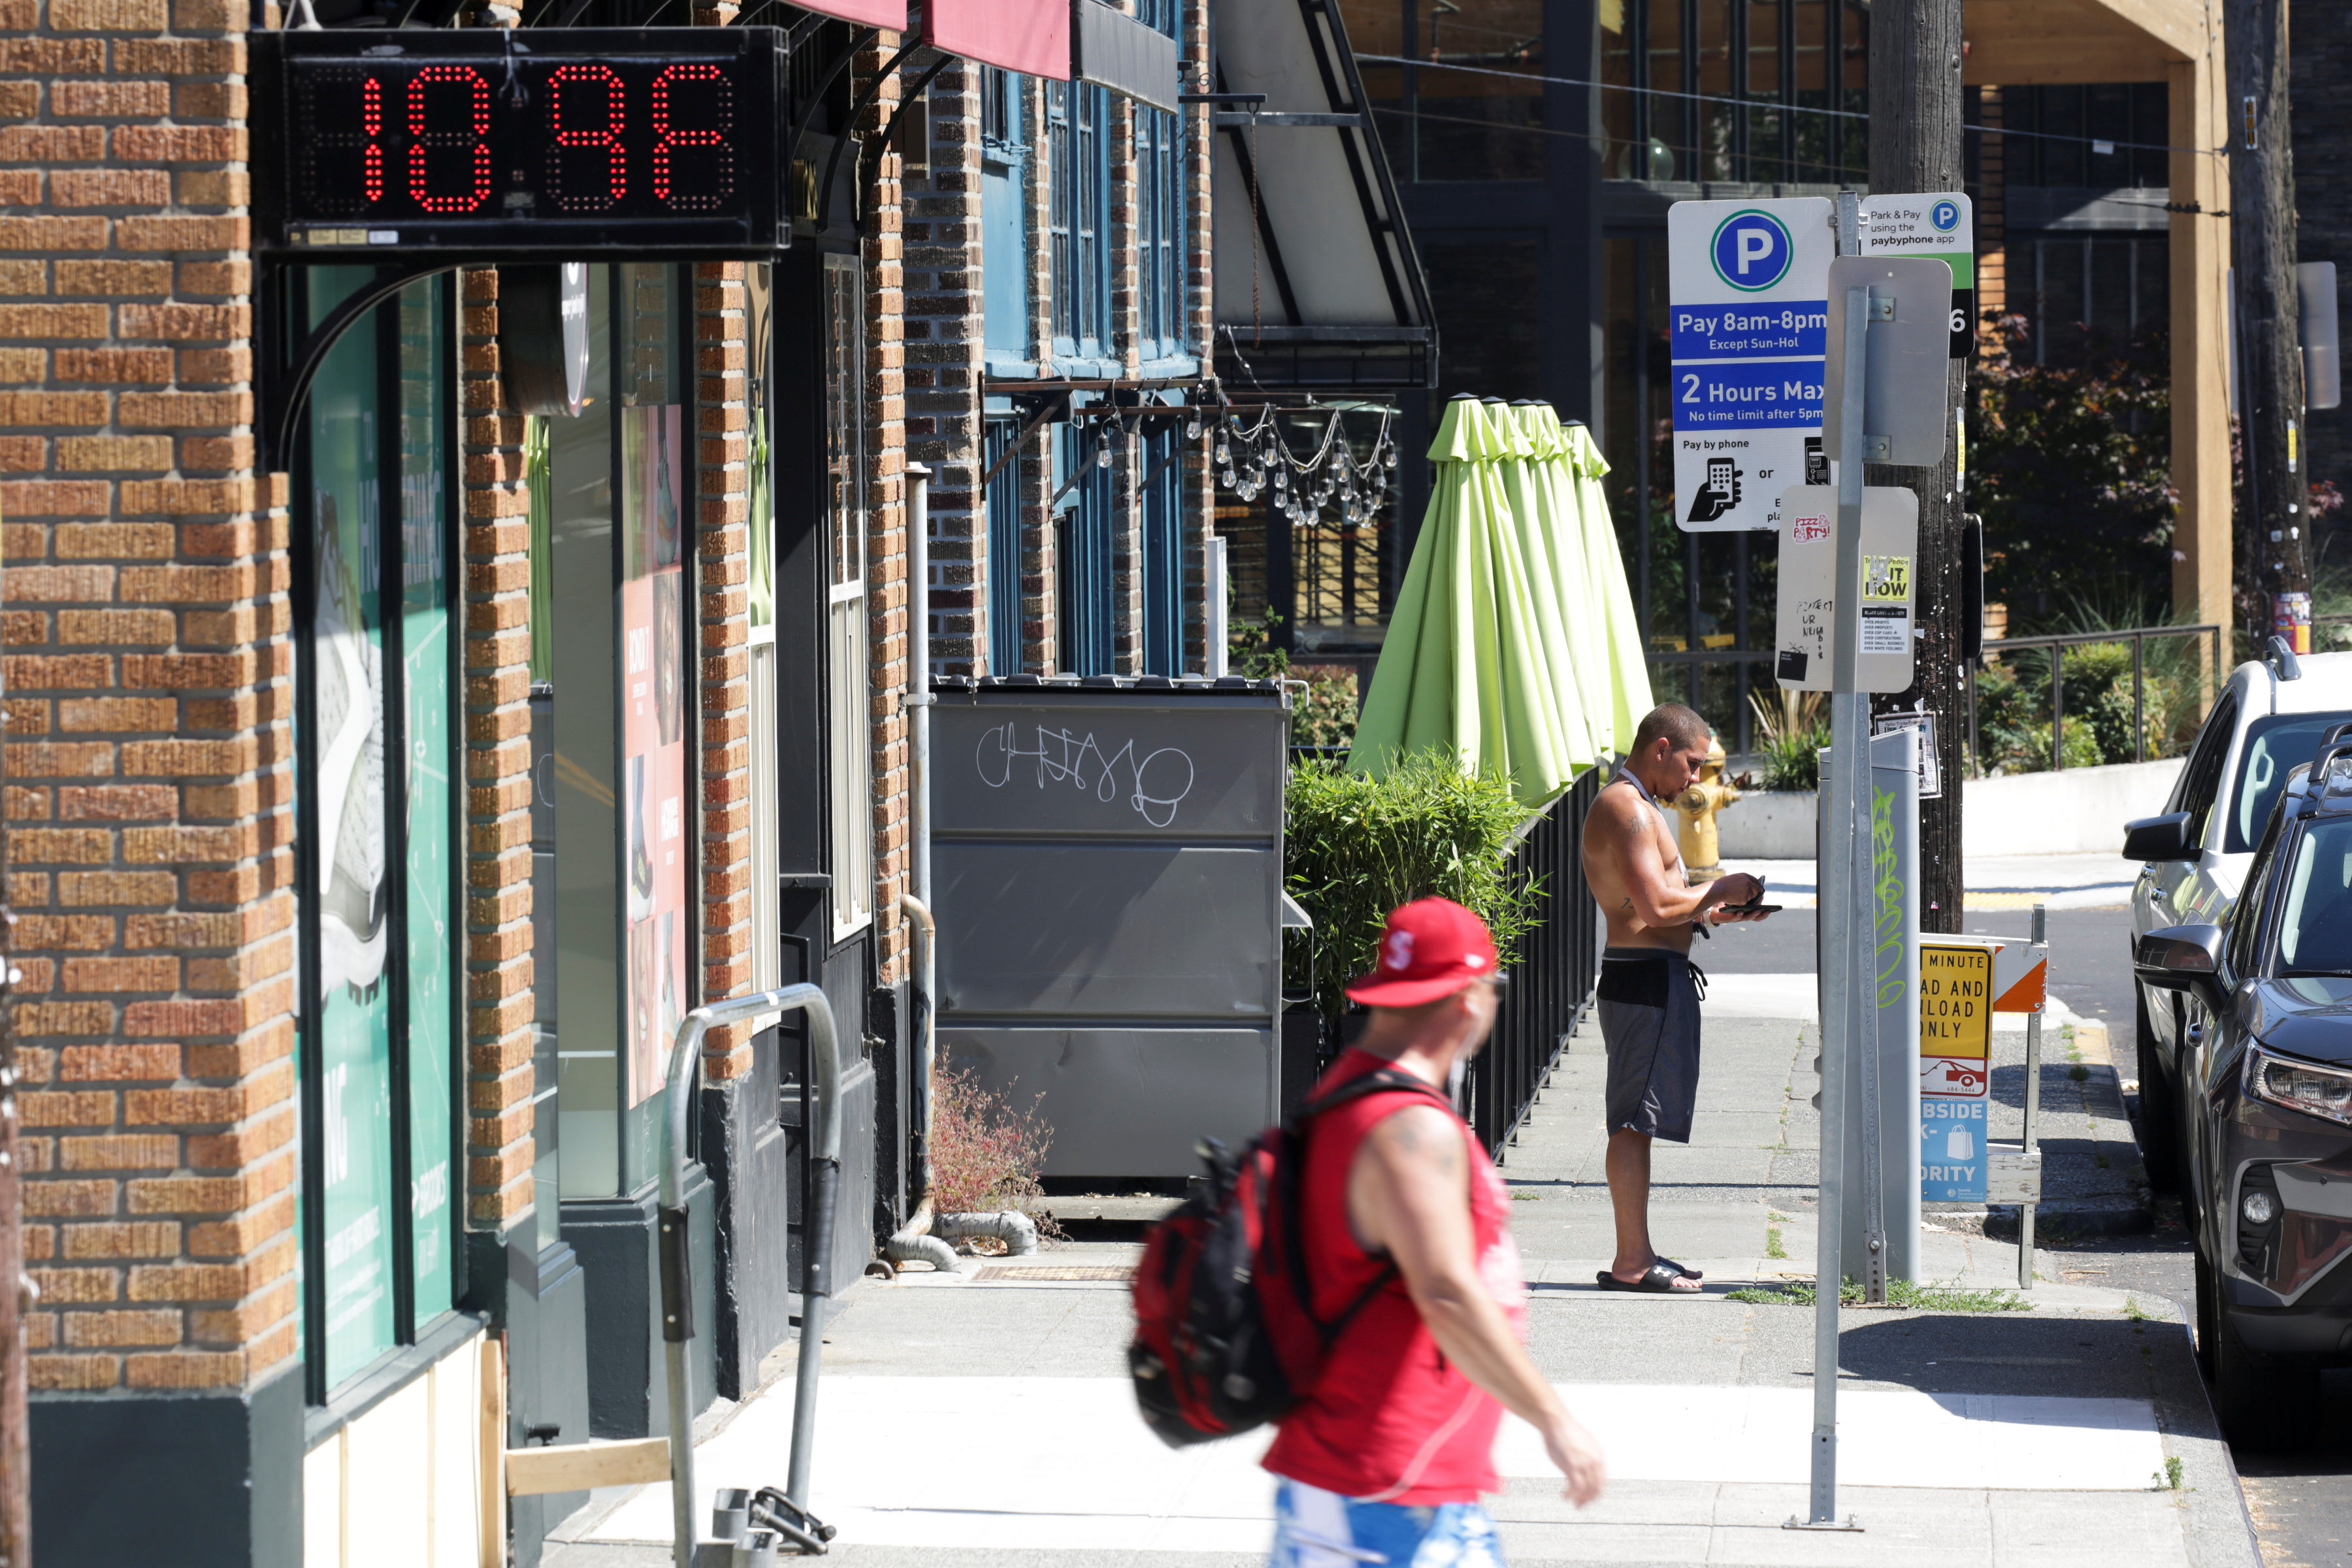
(1028, 36)
(1331, 296)
(891, 14)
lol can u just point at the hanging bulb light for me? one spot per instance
(1225, 478)
(1281, 480)
(1192, 429)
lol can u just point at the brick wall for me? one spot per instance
(886, 548)
(945, 349)
(149, 673)
(723, 511)
(501, 1078)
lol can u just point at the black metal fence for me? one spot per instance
(1552, 969)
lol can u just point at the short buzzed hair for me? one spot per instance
(1672, 722)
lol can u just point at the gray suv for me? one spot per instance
(2269, 718)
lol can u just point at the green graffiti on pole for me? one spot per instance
(1890, 897)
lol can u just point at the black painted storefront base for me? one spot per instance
(131, 1480)
(628, 1389)
(540, 1297)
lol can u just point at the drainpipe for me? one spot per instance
(920, 1237)
(914, 1239)
(676, 1272)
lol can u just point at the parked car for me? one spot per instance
(2269, 717)
(2266, 1144)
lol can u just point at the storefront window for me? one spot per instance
(377, 842)
(619, 526)
(851, 770)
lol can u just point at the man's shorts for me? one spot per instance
(1315, 1529)
(1649, 1022)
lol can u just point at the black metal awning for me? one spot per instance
(1318, 286)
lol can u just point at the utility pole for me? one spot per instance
(1915, 145)
(2273, 529)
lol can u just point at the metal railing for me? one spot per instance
(1552, 969)
(2136, 635)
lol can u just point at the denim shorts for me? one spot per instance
(1315, 1529)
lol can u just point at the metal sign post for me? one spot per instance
(1841, 1021)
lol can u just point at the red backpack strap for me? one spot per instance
(1380, 1080)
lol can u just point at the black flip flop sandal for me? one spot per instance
(1658, 1281)
(1686, 1273)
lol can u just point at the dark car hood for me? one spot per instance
(2309, 1017)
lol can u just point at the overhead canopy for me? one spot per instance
(1031, 36)
(891, 14)
(1330, 294)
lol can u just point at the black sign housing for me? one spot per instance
(519, 143)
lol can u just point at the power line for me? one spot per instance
(2094, 142)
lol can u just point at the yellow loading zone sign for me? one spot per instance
(1955, 1070)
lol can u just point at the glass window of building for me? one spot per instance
(849, 708)
(377, 675)
(620, 532)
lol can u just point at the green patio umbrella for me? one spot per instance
(1607, 617)
(1464, 669)
(1554, 557)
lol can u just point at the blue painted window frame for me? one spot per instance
(1160, 222)
(1006, 616)
(1163, 549)
(1077, 134)
(1004, 157)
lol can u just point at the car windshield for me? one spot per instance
(2315, 928)
(2274, 746)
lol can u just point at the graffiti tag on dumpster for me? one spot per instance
(1153, 785)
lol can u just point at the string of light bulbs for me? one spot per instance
(1252, 459)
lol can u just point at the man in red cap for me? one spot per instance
(1386, 1457)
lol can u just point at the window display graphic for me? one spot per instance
(655, 850)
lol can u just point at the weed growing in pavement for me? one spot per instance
(1772, 1244)
(2171, 1480)
(1522, 1197)
(1906, 1294)
(985, 1155)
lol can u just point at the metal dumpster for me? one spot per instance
(1107, 857)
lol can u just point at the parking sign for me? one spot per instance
(1956, 997)
(1750, 314)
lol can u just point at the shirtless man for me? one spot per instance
(1649, 989)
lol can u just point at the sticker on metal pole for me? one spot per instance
(1955, 1069)
(1807, 602)
(1750, 315)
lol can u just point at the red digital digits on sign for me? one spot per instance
(658, 142)
(466, 126)
(578, 122)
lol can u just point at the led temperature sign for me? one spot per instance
(522, 142)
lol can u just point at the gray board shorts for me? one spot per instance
(1649, 1022)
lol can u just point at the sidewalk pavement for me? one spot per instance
(1993, 883)
(985, 1418)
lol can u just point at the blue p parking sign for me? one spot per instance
(1752, 250)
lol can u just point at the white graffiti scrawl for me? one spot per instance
(1152, 785)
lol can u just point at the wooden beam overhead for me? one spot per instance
(2021, 43)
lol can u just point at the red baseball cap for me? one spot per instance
(1434, 947)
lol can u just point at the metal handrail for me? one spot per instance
(677, 1276)
(2136, 635)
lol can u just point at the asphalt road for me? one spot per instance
(2301, 1503)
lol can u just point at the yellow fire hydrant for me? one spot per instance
(1697, 806)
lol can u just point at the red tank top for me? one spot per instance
(1390, 1419)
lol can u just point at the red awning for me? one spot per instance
(1027, 35)
(891, 14)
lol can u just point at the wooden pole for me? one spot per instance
(1915, 146)
(2273, 528)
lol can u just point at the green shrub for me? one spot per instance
(1790, 741)
(1357, 847)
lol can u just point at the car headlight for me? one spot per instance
(2299, 1086)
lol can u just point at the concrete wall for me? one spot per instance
(2080, 811)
